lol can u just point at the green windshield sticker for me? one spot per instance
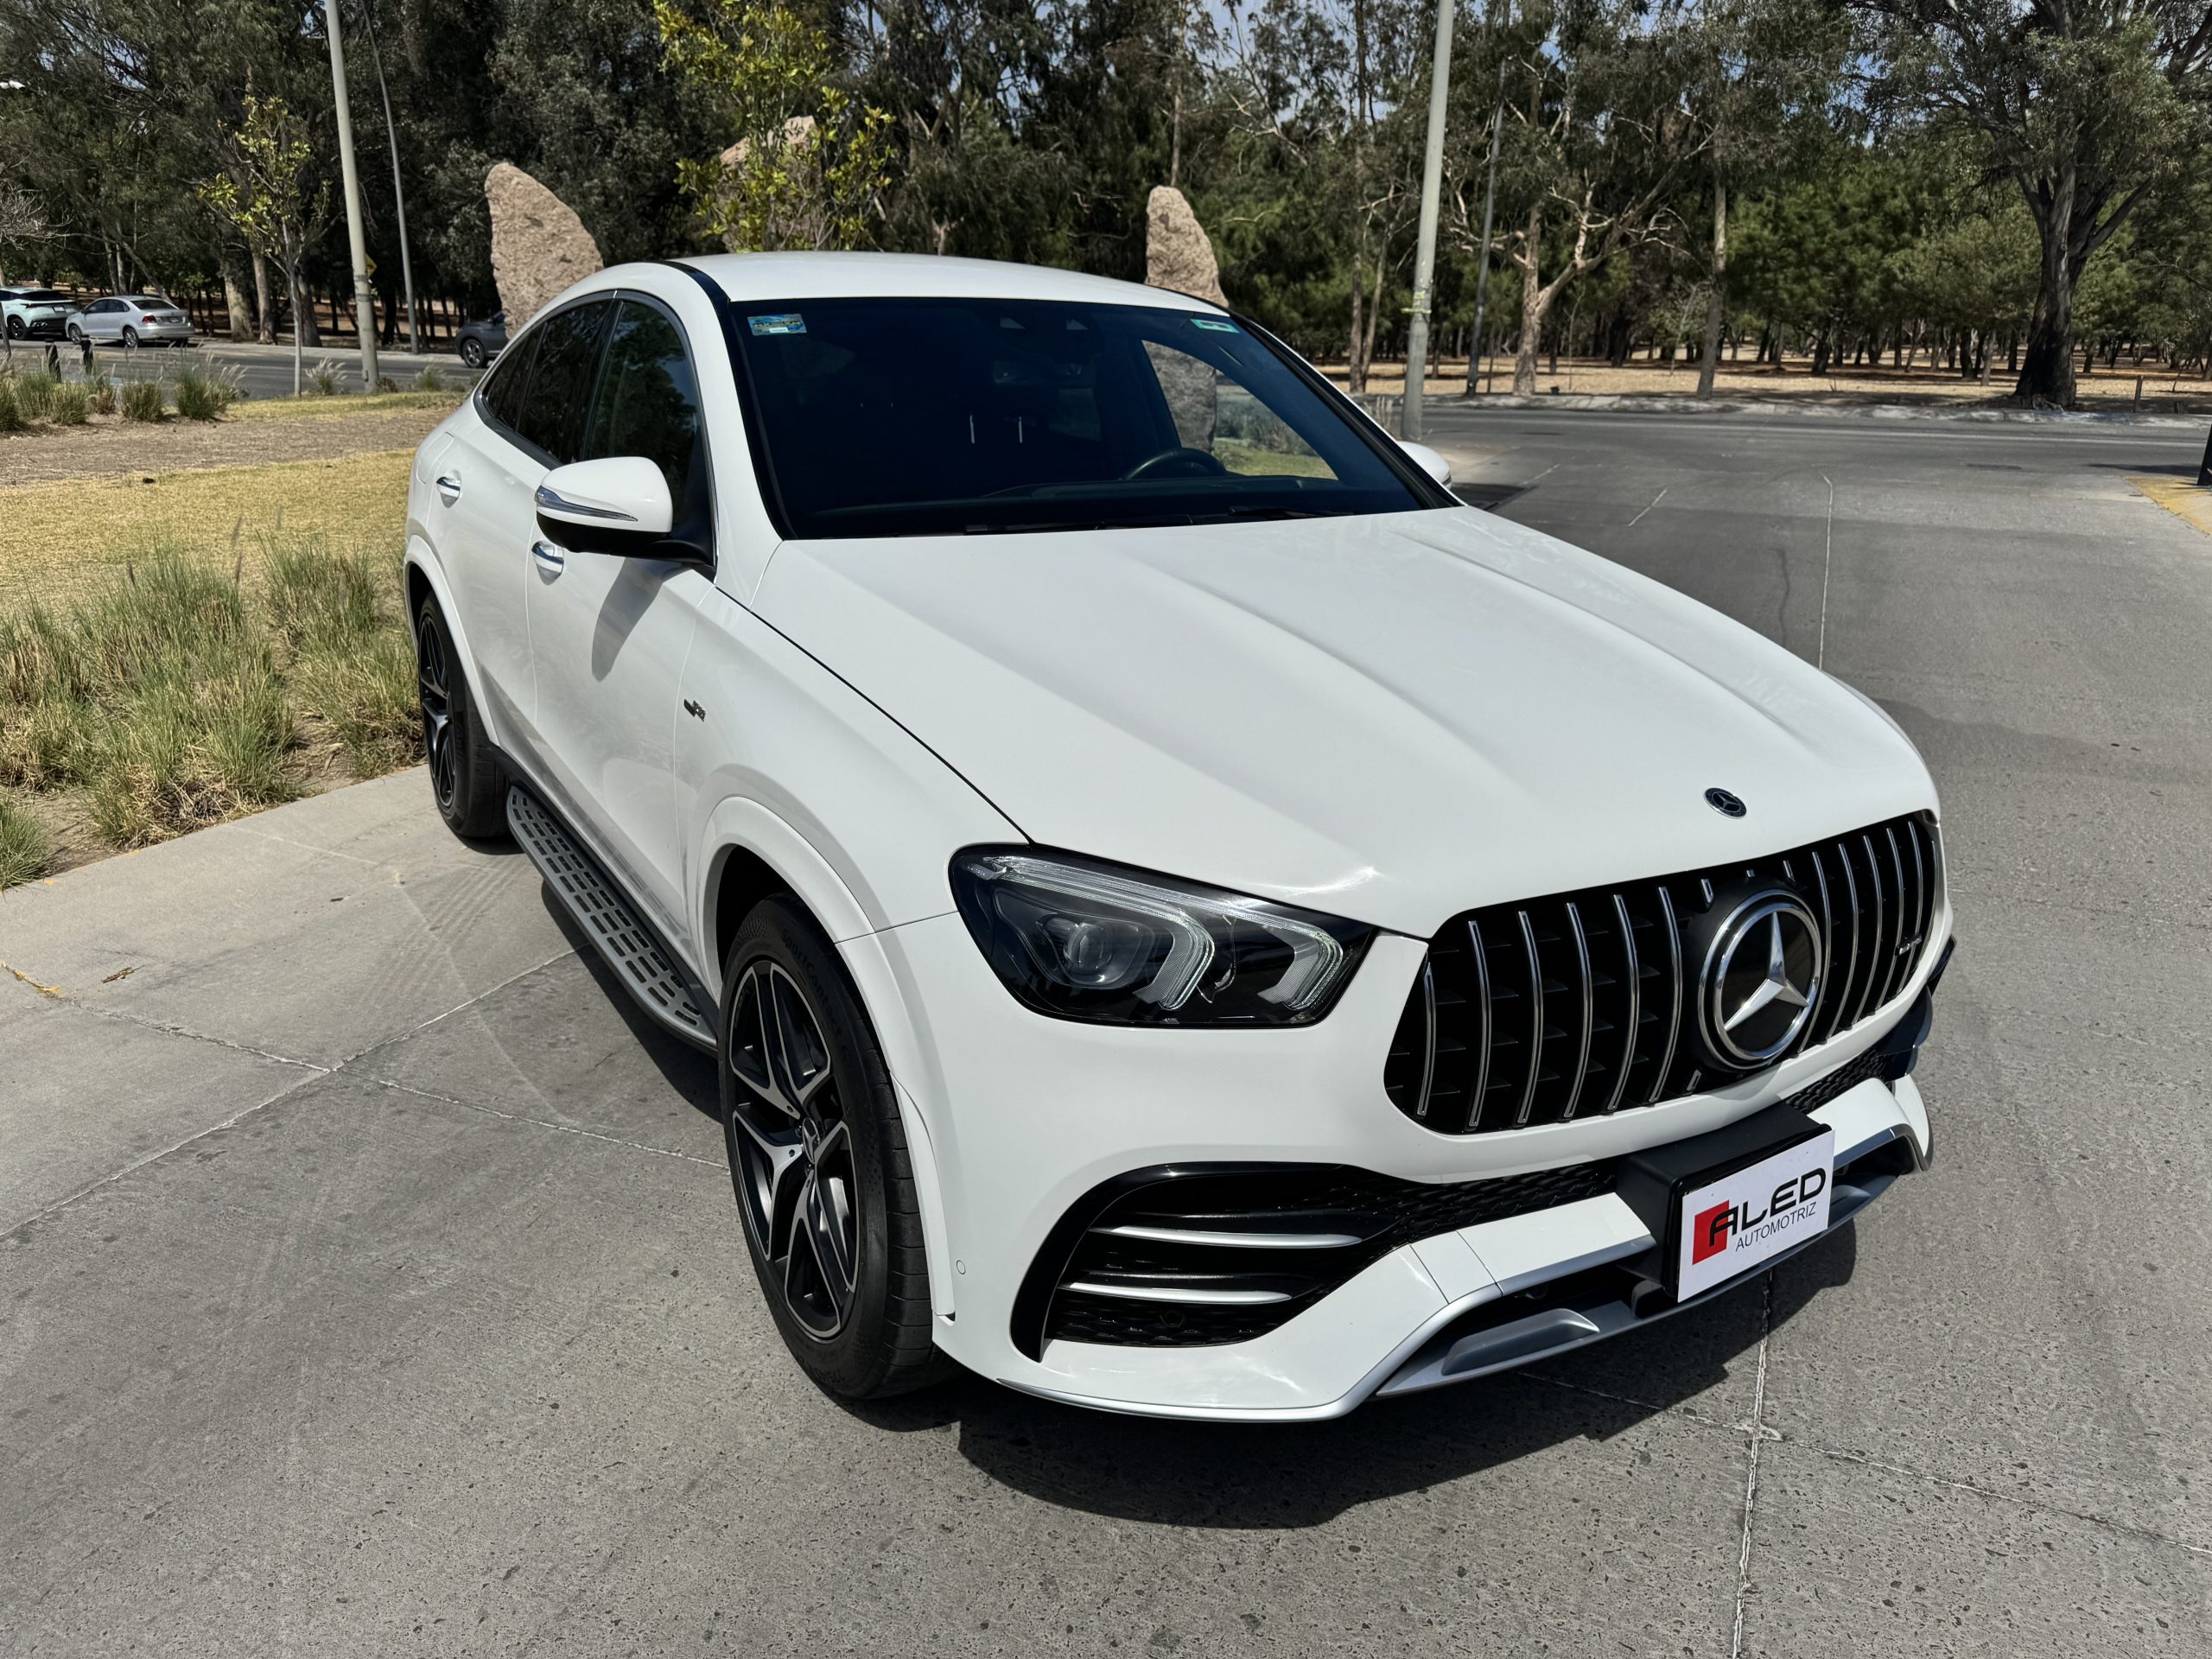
(779, 322)
(1214, 325)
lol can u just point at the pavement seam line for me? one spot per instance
(1861, 1461)
(128, 1170)
(1687, 1414)
(1654, 502)
(246, 824)
(544, 1123)
(1827, 558)
(125, 1017)
(462, 1006)
(1756, 1437)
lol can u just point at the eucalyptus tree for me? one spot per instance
(2090, 107)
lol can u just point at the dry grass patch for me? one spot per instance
(318, 407)
(73, 537)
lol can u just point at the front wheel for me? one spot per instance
(76, 336)
(471, 353)
(818, 1156)
(465, 776)
(15, 327)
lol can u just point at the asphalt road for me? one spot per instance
(374, 1287)
(265, 370)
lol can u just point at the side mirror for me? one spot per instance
(619, 505)
(1427, 460)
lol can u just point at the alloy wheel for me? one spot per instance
(437, 712)
(792, 1151)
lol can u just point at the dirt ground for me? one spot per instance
(2107, 390)
(108, 446)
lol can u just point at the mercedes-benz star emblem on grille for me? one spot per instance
(1722, 802)
(1762, 978)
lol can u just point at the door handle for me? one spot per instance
(550, 559)
(450, 487)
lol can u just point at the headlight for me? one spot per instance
(1083, 940)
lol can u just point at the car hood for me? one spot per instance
(1391, 718)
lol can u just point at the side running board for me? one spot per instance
(631, 947)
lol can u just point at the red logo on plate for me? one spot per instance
(1712, 1229)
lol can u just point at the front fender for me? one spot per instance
(742, 825)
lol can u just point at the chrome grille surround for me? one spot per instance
(1582, 1003)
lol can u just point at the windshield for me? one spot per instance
(931, 416)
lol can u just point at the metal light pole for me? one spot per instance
(398, 197)
(1432, 180)
(365, 298)
(1489, 201)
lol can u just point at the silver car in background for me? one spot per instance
(131, 319)
(34, 313)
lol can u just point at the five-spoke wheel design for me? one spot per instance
(431, 672)
(793, 1150)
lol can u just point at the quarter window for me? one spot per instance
(560, 381)
(502, 393)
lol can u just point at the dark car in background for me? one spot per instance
(480, 342)
(36, 313)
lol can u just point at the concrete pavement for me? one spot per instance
(374, 1285)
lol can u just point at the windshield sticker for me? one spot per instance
(1215, 326)
(779, 322)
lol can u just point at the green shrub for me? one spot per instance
(101, 392)
(11, 411)
(201, 395)
(367, 694)
(323, 380)
(321, 598)
(141, 400)
(24, 854)
(33, 393)
(69, 404)
(431, 379)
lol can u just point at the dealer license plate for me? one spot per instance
(1733, 1223)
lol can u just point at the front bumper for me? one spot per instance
(1048, 1111)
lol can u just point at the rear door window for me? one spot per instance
(502, 394)
(648, 402)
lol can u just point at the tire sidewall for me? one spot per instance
(856, 1361)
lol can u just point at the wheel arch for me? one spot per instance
(424, 580)
(753, 853)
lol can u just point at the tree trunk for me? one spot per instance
(1532, 319)
(234, 299)
(1374, 312)
(1709, 361)
(1355, 365)
(2047, 376)
(264, 314)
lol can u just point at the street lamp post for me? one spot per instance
(1431, 176)
(365, 299)
(398, 196)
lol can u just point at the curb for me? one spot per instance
(1685, 403)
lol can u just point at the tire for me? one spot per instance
(130, 337)
(76, 336)
(836, 1230)
(466, 779)
(471, 353)
(16, 329)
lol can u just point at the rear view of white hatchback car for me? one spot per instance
(1190, 919)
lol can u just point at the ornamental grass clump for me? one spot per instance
(201, 395)
(25, 853)
(141, 400)
(69, 404)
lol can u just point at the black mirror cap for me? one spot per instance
(617, 543)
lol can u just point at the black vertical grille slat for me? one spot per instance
(1580, 1003)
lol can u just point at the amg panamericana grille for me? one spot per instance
(1580, 1004)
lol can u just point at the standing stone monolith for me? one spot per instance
(1177, 253)
(539, 244)
(1178, 256)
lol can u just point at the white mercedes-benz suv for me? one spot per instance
(1191, 919)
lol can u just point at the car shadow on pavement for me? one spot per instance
(688, 1070)
(1697, 1365)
